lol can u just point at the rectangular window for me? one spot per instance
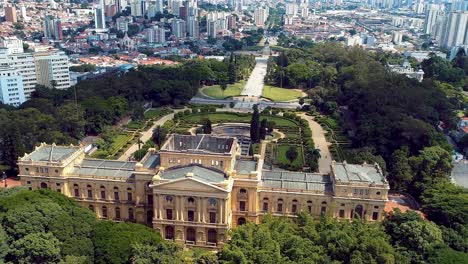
(212, 217)
(323, 210)
(150, 199)
(103, 195)
(90, 194)
(242, 206)
(169, 214)
(190, 215)
(342, 213)
(375, 215)
(309, 208)
(129, 196)
(116, 196)
(280, 208)
(77, 192)
(265, 207)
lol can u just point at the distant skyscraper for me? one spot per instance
(260, 16)
(52, 68)
(193, 28)
(179, 28)
(24, 15)
(159, 5)
(135, 6)
(52, 28)
(455, 30)
(99, 15)
(433, 13)
(10, 14)
(121, 24)
(156, 35)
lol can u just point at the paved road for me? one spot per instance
(320, 141)
(146, 135)
(254, 85)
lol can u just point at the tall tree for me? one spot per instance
(291, 154)
(255, 125)
(263, 128)
(159, 135)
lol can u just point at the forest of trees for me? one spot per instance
(52, 116)
(43, 226)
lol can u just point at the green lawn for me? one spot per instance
(156, 113)
(119, 141)
(280, 94)
(281, 155)
(216, 92)
(237, 118)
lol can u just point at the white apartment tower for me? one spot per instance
(179, 28)
(24, 64)
(433, 14)
(11, 86)
(455, 30)
(100, 16)
(52, 69)
(193, 28)
(159, 6)
(260, 16)
(13, 44)
(156, 35)
(121, 24)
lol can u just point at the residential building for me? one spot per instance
(52, 69)
(193, 28)
(156, 35)
(13, 44)
(455, 30)
(197, 187)
(10, 14)
(260, 16)
(121, 24)
(433, 14)
(25, 66)
(406, 69)
(52, 28)
(178, 28)
(100, 16)
(11, 86)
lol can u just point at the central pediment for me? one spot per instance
(190, 185)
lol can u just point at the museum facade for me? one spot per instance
(197, 187)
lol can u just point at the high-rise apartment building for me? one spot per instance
(135, 7)
(159, 6)
(52, 69)
(433, 14)
(454, 30)
(11, 86)
(25, 66)
(179, 28)
(193, 28)
(52, 28)
(100, 16)
(121, 24)
(10, 14)
(156, 35)
(260, 16)
(13, 44)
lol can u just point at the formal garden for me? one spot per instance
(288, 147)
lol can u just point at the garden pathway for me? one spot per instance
(146, 135)
(320, 141)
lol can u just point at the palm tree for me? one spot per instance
(139, 142)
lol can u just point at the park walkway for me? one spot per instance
(254, 85)
(146, 135)
(320, 141)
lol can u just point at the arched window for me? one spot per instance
(243, 191)
(294, 206)
(358, 211)
(265, 204)
(117, 212)
(43, 185)
(116, 194)
(212, 236)
(212, 201)
(169, 198)
(191, 200)
(103, 192)
(91, 207)
(241, 221)
(131, 215)
(169, 232)
(190, 235)
(309, 206)
(104, 212)
(129, 194)
(76, 190)
(89, 191)
(279, 207)
(323, 209)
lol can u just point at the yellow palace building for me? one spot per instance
(197, 187)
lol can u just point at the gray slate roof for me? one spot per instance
(245, 166)
(198, 143)
(355, 173)
(152, 161)
(104, 168)
(51, 153)
(205, 174)
(296, 181)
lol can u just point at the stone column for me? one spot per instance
(203, 209)
(160, 206)
(176, 207)
(199, 208)
(182, 207)
(223, 211)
